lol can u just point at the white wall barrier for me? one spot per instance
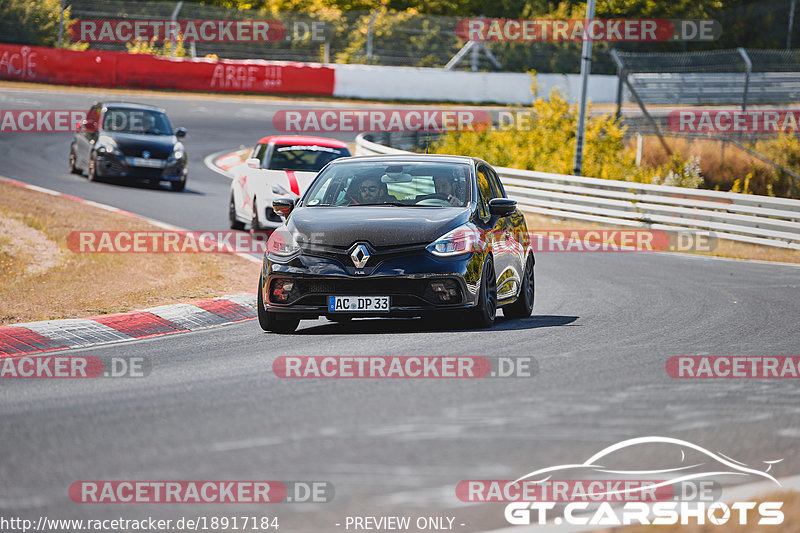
(737, 217)
(435, 84)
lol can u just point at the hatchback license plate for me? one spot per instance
(358, 304)
(148, 163)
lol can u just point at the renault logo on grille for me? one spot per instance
(360, 256)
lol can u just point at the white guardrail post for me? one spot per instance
(748, 218)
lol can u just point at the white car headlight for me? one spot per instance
(462, 240)
(277, 189)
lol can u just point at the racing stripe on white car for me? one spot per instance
(293, 182)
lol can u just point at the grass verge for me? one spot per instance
(41, 279)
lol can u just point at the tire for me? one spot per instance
(523, 307)
(73, 169)
(91, 172)
(234, 222)
(269, 321)
(485, 312)
(178, 186)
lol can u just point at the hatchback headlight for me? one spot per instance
(462, 240)
(177, 152)
(108, 145)
(282, 244)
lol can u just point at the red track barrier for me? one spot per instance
(118, 69)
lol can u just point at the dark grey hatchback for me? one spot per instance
(390, 236)
(126, 140)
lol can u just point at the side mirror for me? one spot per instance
(180, 133)
(253, 162)
(283, 206)
(502, 207)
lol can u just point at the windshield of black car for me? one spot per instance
(303, 158)
(416, 184)
(142, 121)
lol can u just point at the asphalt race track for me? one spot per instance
(603, 328)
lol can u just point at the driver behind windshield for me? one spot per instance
(148, 123)
(370, 190)
(447, 188)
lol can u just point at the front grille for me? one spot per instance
(138, 151)
(377, 256)
(140, 172)
(377, 287)
(404, 292)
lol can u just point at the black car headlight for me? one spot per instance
(282, 244)
(108, 146)
(462, 240)
(177, 153)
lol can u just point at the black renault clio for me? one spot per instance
(405, 235)
(126, 140)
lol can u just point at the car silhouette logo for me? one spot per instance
(146, 154)
(360, 256)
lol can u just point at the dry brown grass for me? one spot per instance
(721, 163)
(78, 285)
(791, 520)
(723, 248)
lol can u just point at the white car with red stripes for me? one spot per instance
(279, 166)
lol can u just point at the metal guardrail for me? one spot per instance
(738, 217)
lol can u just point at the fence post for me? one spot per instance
(172, 33)
(620, 81)
(61, 23)
(586, 66)
(748, 68)
(369, 36)
(789, 29)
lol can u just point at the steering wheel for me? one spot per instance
(438, 196)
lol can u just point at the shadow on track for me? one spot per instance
(380, 326)
(137, 183)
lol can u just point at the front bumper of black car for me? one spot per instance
(416, 283)
(113, 165)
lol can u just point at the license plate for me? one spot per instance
(149, 163)
(357, 304)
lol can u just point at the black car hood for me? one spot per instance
(132, 144)
(379, 225)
